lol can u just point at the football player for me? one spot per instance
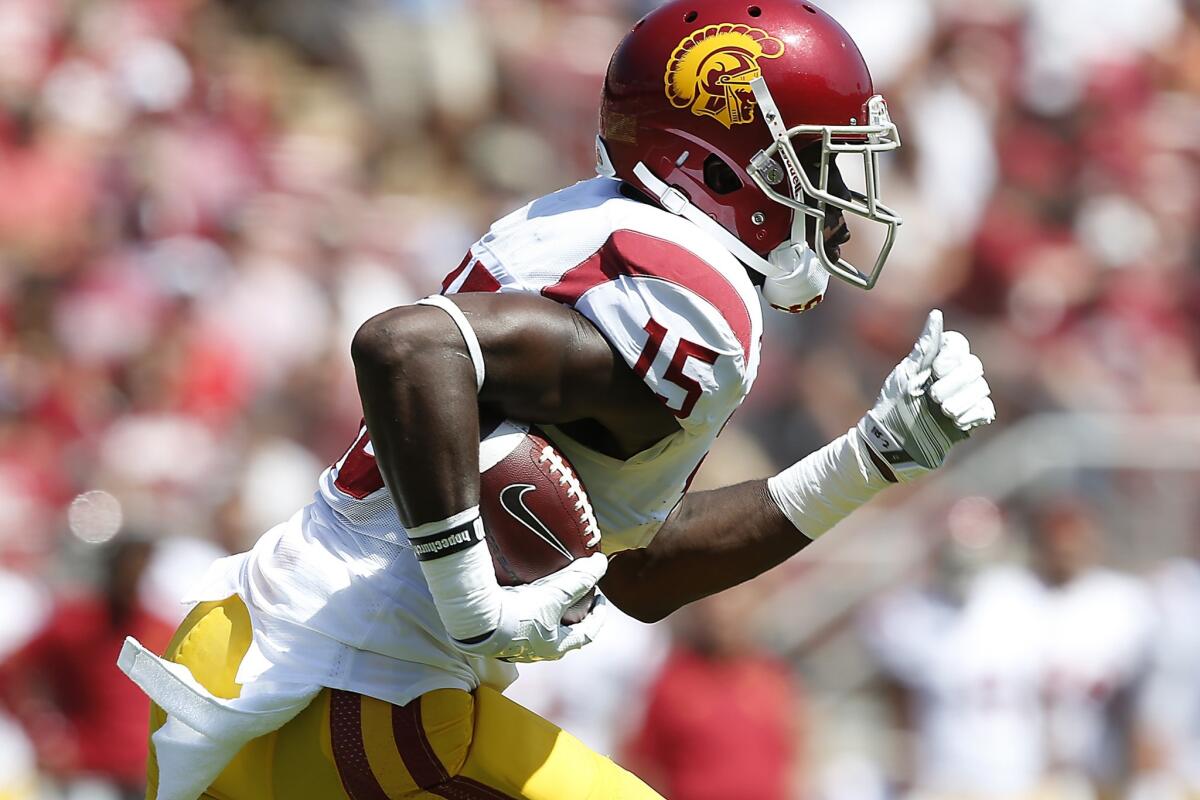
(621, 315)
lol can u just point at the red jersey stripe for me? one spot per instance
(449, 279)
(479, 280)
(358, 474)
(631, 253)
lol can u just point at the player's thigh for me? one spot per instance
(387, 752)
(348, 745)
(211, 642)
(449, 743)
(294, 762)
(521, 755)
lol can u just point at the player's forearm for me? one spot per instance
(721, 538)
(715, 540)
(417, 386)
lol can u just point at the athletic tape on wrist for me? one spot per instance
(435, 540)
(464, 327)
(458, 570)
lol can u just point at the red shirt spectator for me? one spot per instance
(83, 715)
(719, 725)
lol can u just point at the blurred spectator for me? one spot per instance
(86, 720)
(723, 718)
(1097, 629)
(1172, 708)
(1068, 42)
(18, 761)
(1019, 683)
(175, 564)
(963, 669)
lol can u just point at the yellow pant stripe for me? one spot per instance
(380, 744)
(448, 717)
(303, 759)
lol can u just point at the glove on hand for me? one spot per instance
(531, 627)
(930, 401)
(515, 623)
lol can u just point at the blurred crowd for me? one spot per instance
(200, 200)
(1019, 665)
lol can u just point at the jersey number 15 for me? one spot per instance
(674, 373)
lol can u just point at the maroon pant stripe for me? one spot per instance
(413, 745)
(349, 754)
(462, 788)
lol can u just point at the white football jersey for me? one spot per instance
(975, 679)
(335, 594)
(679, 309)
(1172, 707)
(1098, 635)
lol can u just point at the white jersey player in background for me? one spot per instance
(964, 671)
(359, 649)
(1171, 713)
(1097, 633)
(1022, 684)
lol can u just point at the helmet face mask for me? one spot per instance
(690, 82)
(811, 197)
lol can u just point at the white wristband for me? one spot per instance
(821, 489)
(458, 570)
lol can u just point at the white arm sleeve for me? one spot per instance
(822, 488)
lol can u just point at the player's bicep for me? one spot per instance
(544, 361)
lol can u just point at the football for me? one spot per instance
(535, 510)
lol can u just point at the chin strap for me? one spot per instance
(678, 204)
(793, 286)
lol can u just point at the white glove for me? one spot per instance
(514, 623)
(531, 627)
(930, 401)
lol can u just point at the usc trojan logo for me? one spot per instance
(710, 71)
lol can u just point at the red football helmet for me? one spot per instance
(749, 83)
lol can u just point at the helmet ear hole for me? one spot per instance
(719, 176)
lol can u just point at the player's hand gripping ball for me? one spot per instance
(536, 513)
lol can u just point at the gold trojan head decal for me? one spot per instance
(711, 70)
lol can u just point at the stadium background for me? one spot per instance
(201, 200)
